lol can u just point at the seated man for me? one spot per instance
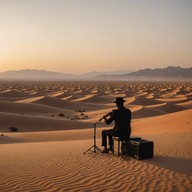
(122, 128)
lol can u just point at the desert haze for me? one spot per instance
(162, 74)
(46, 126)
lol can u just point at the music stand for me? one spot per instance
(95, 148)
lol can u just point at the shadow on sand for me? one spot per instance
(177, 164)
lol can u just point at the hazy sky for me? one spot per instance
(86, 35)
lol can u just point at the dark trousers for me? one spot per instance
(107, 133)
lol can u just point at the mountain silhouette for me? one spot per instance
(169, 72)
(33, 74)
(163, 72)
(29, 74)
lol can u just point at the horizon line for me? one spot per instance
(97, 71)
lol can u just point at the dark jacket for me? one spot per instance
(122, 118)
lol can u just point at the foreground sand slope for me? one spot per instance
(61, 166)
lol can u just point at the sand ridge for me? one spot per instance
(144, 99)
(74, 101)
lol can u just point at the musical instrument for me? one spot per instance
(108, 114)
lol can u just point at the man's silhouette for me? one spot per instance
(122, 128)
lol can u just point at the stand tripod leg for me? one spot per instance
(95, 148)
(89, 149)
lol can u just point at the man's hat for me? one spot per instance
(119, 100)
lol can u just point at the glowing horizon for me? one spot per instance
(83, 36)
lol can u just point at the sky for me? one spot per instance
(95, 35)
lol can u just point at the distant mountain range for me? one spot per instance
(169, 72)
(105, 73)
(33, 74)
(159, 73)
(165, 72)
(28, 74)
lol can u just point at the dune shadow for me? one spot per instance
(175, 164)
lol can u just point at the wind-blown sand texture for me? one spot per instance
(54, 120)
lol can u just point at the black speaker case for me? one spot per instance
(140, 149)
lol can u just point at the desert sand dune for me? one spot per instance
(32, 92)
(46, 154)
(144, 101)
(65, 104)
(65, 94)
(156, 105)
(46, 136)
(134, 108)
(5, 91)
(147, 112)
(100, 99)
(129, 100)
(38, 123)
(189, 94)
(78, 96)
(171, 108)
(170, 123)
(169, 93)
(150, 96)
(175, 99)
(93, 91)
(13, 93)
(71, 97)
(30, 100)
(13, 99)
(83, 98)
(186, 104)
(179, 122)
(27, 108)
(56, 94)
(79, 91)
(68, 97)
(141, 94)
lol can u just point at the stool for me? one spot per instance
(120, 143)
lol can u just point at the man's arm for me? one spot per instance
(111, 118)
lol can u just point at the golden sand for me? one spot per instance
(54, 120)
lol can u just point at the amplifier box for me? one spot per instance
(140, 149)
